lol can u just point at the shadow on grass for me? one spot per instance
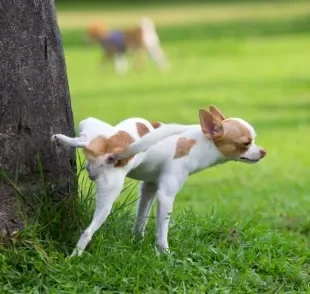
(205, 31)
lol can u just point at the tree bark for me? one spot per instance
(34, 102)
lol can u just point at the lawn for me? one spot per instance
(235, 228)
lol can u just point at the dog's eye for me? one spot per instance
(247, 144)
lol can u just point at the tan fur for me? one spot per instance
(155, 124)
(97, 30)
(236, 138)
(183, 147)
(210, 126)
(217, 113)
(142, 129)
(230, 136)
(115, 144)
(133, 38)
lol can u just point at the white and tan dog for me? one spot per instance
(162, 159)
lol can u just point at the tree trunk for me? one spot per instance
(34, 102)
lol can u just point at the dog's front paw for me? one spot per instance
(162, 250)
(76, 252)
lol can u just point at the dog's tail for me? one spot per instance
(149, 34)
(162, 132)
(151, 42)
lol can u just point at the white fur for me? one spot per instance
(121, 64)
(152, 43)
(154, 164)
(159, 169)
(109, 179)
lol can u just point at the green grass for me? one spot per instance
(235, 228)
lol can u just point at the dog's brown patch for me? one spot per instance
(133, 38)
(155, 124)
(115, 144)
(183, 147)
(142, 129)
(236, 139)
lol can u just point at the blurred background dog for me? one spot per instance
(138, 39)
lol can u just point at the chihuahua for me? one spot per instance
(162, 156)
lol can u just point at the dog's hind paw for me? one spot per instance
(56, 139)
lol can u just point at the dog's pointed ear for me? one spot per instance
(217, 113)
(211, 127)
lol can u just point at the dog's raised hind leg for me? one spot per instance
(77, 142)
